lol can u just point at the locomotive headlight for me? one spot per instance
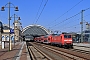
(67, 40)
(70, 40)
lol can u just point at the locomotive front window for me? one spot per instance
(67, 36)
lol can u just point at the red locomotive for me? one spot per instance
(62, 40)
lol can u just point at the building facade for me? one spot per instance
(15, 32)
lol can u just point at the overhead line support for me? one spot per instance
(82, 25)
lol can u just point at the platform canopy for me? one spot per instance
(35, 30)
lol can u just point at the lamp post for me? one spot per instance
(2, 9)
(14, 16)
(1, 31)
(22, 33)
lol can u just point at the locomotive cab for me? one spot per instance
(67, 40)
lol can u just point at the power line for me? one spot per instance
(82, 23)
(71, 26)
(86, 9)
(70, 17)
(75, 20)
(74, 26)
(67, 19)
(41, 12)
(76, 15)
(39, 9)
(68, 10)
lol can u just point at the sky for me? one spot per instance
(55, 15)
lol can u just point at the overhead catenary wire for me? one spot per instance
(70, 26)
(74, 20)
(38, 10)
(78, 19)
(74, 26)
(86, 9)
(69, 17)
(66, 11)
(66, 19)
(41, 12)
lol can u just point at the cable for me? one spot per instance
(67, 19)
(68, 11)
(74, 20)
(86, 9)
(41, 12)
(77, 19)
(76, 24)
(38, 9)
(71, 26)
(71, 17)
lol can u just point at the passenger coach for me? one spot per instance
(61, 40)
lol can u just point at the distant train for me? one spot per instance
(29, 38)
(61, 40)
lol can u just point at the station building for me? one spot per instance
(34, 31)
(86, 36)
(15, 33)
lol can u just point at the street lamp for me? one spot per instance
(2, 9)
(15, 16)
(22, 32)
(1, 31)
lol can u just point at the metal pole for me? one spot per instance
(1, 39)
(14, 30)
(82, 25)
(89, 33)
(9, 29)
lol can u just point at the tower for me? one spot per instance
(17, 30)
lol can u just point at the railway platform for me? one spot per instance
(19, 52)
(82, 44)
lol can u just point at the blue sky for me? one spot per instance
(53, 16)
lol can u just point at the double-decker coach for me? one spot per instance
(62, 40)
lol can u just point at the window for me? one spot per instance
(67, 36)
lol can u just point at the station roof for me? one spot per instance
(35, 30)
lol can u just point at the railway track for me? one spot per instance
(68, 54)
(81, 51)
(82, 46)
(36, 54)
